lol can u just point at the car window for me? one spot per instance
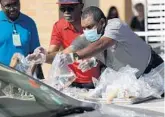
(17, 85)
(23, 96)
(20, 92)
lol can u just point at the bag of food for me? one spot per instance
(20, 63)
(60, 76)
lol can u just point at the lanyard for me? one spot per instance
(14, 28)
(16, 37)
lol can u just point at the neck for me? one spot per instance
(14, 19)
(140, 17)
(77, 25)
(77, 22)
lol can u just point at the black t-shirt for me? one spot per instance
(137, 25)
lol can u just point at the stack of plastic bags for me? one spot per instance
(124, 84)
(121, 84)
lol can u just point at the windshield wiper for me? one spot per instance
(68, 110)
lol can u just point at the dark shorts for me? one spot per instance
(155, 61)
(83, 85)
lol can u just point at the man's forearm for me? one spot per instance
(95, 48)
(50, 57)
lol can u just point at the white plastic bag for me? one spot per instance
(124, 84)
(106, 78)
(60, 76)
(38, 56)
(27, 65)
(155, 81)
(24, 65)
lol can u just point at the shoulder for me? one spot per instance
(27, 19)
(134, 18)
(116, 29)
(115, 23)
(60, 23)
(3, 16)
(81, 38)
(79, 43)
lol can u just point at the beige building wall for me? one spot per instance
(46, 13)
(124, 7)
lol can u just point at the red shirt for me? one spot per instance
(63, 34)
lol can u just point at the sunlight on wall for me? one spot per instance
(45, 13)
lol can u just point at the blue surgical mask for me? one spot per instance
(92, 35)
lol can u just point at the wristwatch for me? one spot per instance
(76, 56)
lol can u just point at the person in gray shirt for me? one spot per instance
(122, 46)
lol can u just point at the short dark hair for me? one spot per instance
(139, 4)
(95, 11)
(111, 9)
(1, 1)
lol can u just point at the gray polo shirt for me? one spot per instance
(128, 49)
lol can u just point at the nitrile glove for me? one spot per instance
(87, 64)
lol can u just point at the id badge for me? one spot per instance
(16, 39)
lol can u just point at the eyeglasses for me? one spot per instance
(67, 8)
(15, 6)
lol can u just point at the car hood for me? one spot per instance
(118, 111)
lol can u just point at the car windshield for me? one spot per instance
(21, 95)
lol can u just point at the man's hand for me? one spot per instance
(14, 60)
(40, 50)
(87, 64)
(38, 56)
(66, 58)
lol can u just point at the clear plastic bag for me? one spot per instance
(95, 81)
(106, 78)
(27, 64)
(154, 82)
(24, 65)
(60, 76)
(124, 84)
(38, 56)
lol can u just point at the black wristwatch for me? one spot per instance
(76, 56)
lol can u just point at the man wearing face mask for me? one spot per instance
(64, 33)
(114, 38)
(18, 32)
